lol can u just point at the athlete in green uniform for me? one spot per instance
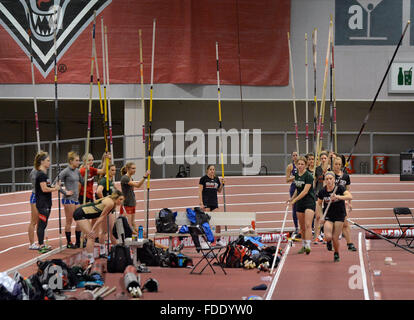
(304, 197)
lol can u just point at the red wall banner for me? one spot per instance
(251, 35)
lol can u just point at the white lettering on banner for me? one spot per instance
(355, 22)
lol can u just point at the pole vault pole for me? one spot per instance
(315, 100)
(104, 111)
(55, 25)
(34, 89)
(280, 239)
(306, 93)
(88, 134)
(150, 122)
(141, 71)
(108, 95)
(220, 125)
(323, 100)
(330, 134)
(334, 97)
(293, 94)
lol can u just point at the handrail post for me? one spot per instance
(13, 169)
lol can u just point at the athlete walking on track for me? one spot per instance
(342, 178)
(334, 219)
(304, 198)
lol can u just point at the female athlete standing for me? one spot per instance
(34, 213)
(128, 185)
(43, 192)
(291, 170)
(334, 219)
(304, 198)
(208, 186)
(72, 179)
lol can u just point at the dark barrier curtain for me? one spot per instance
(251, 36)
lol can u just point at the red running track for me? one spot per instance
(301, 277)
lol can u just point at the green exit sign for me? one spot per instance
(400, 78)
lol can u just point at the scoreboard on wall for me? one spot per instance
(407, 166)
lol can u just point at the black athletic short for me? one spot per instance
(78, 215)
(335, 217)
(211, 207)
(305, 203)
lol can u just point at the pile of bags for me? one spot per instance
(249, 253)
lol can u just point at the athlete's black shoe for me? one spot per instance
(329, 245)
(351, 247)
(336, 257)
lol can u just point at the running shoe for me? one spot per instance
(70, 245)
(221, 243)
(34, 246)
(329, 245)
(308, 250)
(43, 249)
(336, 257)
(301, 251)
(351, 247)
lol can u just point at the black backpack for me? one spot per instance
(119, 258)
(149, 254)
(165, 222)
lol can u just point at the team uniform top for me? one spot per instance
(210, 187)
(128, 191)
(300, 182)
(336, 211)
(71, 178)
(43, 199)
(90, 210)
(344, 180)
(102, 183)
(92, 172)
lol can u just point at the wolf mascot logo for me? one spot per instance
(42, 17)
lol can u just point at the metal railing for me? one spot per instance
(15, 177)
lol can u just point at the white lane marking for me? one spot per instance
(361, 262)
(277, 275)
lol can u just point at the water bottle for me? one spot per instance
(140, 232)
(180, 259)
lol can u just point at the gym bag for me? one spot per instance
(119, 258)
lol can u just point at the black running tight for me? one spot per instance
(42, 224)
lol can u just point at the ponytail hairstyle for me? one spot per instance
(40, 156)
(126, 167)
(116, 194)
(72, 155)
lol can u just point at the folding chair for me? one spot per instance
(398, 212)
(209, 254)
